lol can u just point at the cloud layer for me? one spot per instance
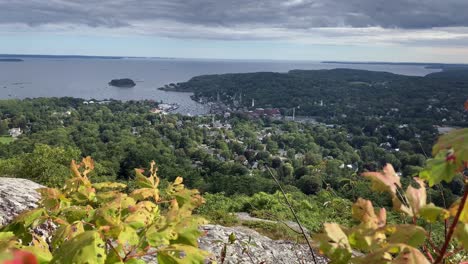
(318, 21)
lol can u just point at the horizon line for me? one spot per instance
(77, 56)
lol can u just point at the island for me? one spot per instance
(126, 82)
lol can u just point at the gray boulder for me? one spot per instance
(16, 196)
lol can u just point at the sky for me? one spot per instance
(345, 30)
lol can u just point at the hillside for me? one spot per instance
(332, 93)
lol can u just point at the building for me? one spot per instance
(15, 132)
(261, 112)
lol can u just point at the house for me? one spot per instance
(261, 112)
(156, 111)
(15, 132)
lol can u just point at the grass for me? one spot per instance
(5, 140)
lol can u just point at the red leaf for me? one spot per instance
(22, 257)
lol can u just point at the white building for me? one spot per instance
(15, 132)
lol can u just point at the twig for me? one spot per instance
(439, 186)
(452, 227)
(109, 244)
(433, 246)
(294, 213)
(454, 252)
(428, 254)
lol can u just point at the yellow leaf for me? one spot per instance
(178, 180)
(464, 214)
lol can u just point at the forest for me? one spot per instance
(343, 96)
(227, 161)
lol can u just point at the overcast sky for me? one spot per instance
(359, 30)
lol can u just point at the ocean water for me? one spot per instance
(88, 78)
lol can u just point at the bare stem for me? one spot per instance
(295, 215)
(452, 226)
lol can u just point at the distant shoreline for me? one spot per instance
(441, 66)
(40, 56)
(10, 60)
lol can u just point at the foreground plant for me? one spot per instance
(407, 243)
(99, 223)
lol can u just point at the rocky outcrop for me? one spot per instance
(17, 195)
(252, 247)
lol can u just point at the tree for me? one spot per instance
(310, 184)
(3, 127)
(46, 165)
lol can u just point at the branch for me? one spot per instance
(294, 213)
(454, 252)
(109, 244)
(452, 227)
(428, 254)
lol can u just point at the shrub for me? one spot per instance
(99, 223)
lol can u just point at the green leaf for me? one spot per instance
(408, 234)
(457, 140)
(102, 186)
(135, 261)
(187, 233)
(65, 233)
(144, 193)
(6, 236)
(142, 214)
(107, 196)
(160, 235)
(21, 224)
(181, 254)
(143, 181)
(461, 233)
(433, 214)
(53, 199)
(27, 218)
(113, 257)
(43, 255)
(439, 169)
(87, 247)
(128, 236)
(76, 213)
(364, 238)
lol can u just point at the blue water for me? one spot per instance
(88, 78)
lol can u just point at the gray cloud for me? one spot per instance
(294, 14)
(330, 22)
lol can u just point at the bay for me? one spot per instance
(88, 78)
